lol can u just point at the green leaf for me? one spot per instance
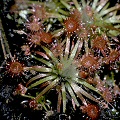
(40, 69)
(73, 53)
(50, 54)
(84, 4)
(101, 5)
(65, 4)
(50, 86)
(77, 5)
(43, 61)
(67, 48)
(64, 97)
(79, 89)
(59, 101)
(104, 7)
(35, 78)
(113, 19)
(94, 4)
(45, 79)
(114, 33)
(109, 10)
(76, 90)
(72, 94)
(82, 82)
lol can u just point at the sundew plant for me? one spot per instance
(72, 44)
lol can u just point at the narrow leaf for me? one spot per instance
(101, 5)
(64, 97)
(43, 61)
(83, 3)
(73, 53)
(76, 90)
(42, 54)
(40, 69)
(110, 10)
(67, 48)
(105, 7)
(50, 54)
(50, 86)
(65, 4)
(59, 101)
(114, 19)
(35, 78)
(77, 5)
(94, 4)
(72, 94)
(82, 82)
(45, 79)
(79, 89)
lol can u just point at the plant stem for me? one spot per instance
(27, 96)
(4, 43)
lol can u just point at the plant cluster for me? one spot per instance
(72, 42)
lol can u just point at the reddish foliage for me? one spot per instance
(83, 74)
(20, 90)
(34, 25)
(26, 49)
(71, 25)
(33, 104)
(39, 12)
(34, 38)
(107, 95)
(100, 43)
(15, 68)
(90, 62)
(91, 110)
(46, 37)
(113, 56)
